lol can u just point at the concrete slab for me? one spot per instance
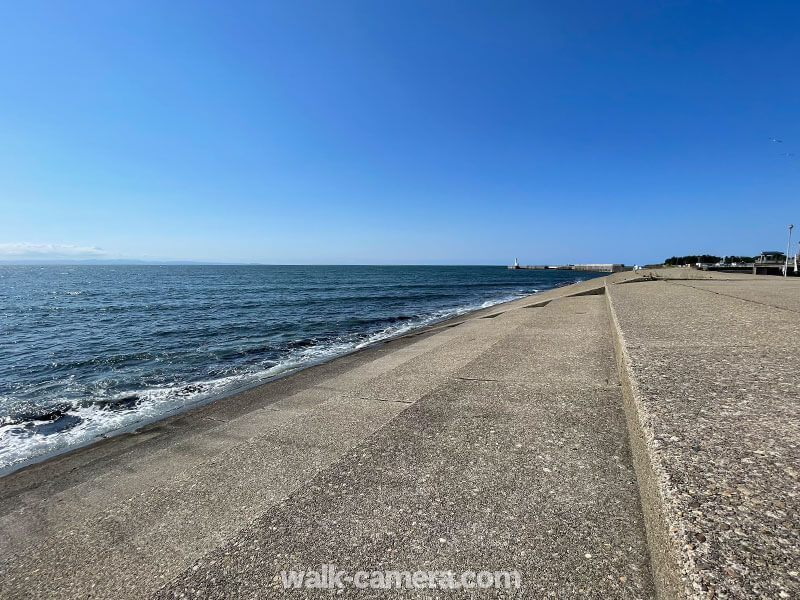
(674, 313)
(476, 475)
(774, 292)
(122, 532)
(568, 341)
(713, 405)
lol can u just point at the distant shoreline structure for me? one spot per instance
(590, 267)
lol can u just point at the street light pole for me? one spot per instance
(788, 246)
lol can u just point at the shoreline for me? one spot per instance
(122, 516)
(595, 410)
(175, 412)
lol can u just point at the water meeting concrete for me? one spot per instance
(622, 438)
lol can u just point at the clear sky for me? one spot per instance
(398, 132)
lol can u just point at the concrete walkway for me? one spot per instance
(714, 399)
(518, 460)
(495, 442)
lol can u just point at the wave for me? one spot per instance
(63, 423)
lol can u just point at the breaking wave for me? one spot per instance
(75, 374)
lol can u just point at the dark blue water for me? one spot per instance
(86, 350)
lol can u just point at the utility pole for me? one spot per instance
(788, 246)
(796, 260)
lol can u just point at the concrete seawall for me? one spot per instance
(584, 437)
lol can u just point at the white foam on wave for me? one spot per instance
(22, 442)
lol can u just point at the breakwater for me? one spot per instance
(588, 268)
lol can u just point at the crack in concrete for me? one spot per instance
(738, 297)
(387, 400)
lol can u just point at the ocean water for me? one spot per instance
(87, 350)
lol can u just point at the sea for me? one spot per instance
(90, 350)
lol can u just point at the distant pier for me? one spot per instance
(595, 268)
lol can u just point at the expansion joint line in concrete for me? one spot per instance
(736, 297)
(335, 391)
(387, 400)
(665, 563)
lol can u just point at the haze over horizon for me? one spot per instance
(397, 133)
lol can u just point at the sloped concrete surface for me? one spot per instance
(492, 470)
(502, 436)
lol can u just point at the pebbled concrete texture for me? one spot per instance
(479, 474)
(715, 401)
(124, 529)
(777, 293)
(435, 491)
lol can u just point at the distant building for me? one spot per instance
(773, 262)
(771, 257)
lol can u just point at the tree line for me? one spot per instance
(706, 258)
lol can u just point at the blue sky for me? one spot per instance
(397, 132)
